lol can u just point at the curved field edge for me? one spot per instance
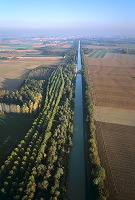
(95, 172)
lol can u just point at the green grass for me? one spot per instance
(92, 55)
(12, 130)
(98, 54)
(103, 54)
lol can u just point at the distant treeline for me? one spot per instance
(87, 50)
(123, 51)
(111, 40)
(4, 58)
(118, 50)
(4, 51)
(71, 56)
(50, 51)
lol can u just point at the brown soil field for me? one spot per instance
(11, 71)
(96, 47)
(120, 56)
(112, 82)
(114, 115)
(117, 153)
(12, 55)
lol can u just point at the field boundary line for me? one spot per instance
(95, 101)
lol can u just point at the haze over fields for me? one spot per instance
(67, 17)
(46, 49)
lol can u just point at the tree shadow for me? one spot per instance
(12, 84)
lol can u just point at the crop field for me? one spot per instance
(124, 57)
(98, 54)
(114, 115)
(12, 130)
(117, 154)
(112, 81)
(17, 57)
(66, 45)
(11, 71)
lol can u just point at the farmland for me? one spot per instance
(11, 71)
(45, 140)
(40, 146)
(98, 54)
(114, 115)
(19, 56)
(17, 64)
(112, 82)
(116, 150)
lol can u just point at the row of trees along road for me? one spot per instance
(37, 167)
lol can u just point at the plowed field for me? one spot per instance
(112, 81)
(117, 154)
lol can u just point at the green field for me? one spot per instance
(12, 130)
(98, 54)
(14, 46)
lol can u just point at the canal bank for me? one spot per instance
(77, 168)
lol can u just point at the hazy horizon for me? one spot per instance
(67, 18)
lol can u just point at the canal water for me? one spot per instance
(77, 179)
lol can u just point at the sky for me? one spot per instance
(72, 16)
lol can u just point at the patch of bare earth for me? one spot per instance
(119, 56)
(11, 70)
(116, 145)
(112, 82)
(114, 115)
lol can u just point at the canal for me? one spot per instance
(77, 174)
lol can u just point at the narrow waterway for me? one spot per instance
(77, 179)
